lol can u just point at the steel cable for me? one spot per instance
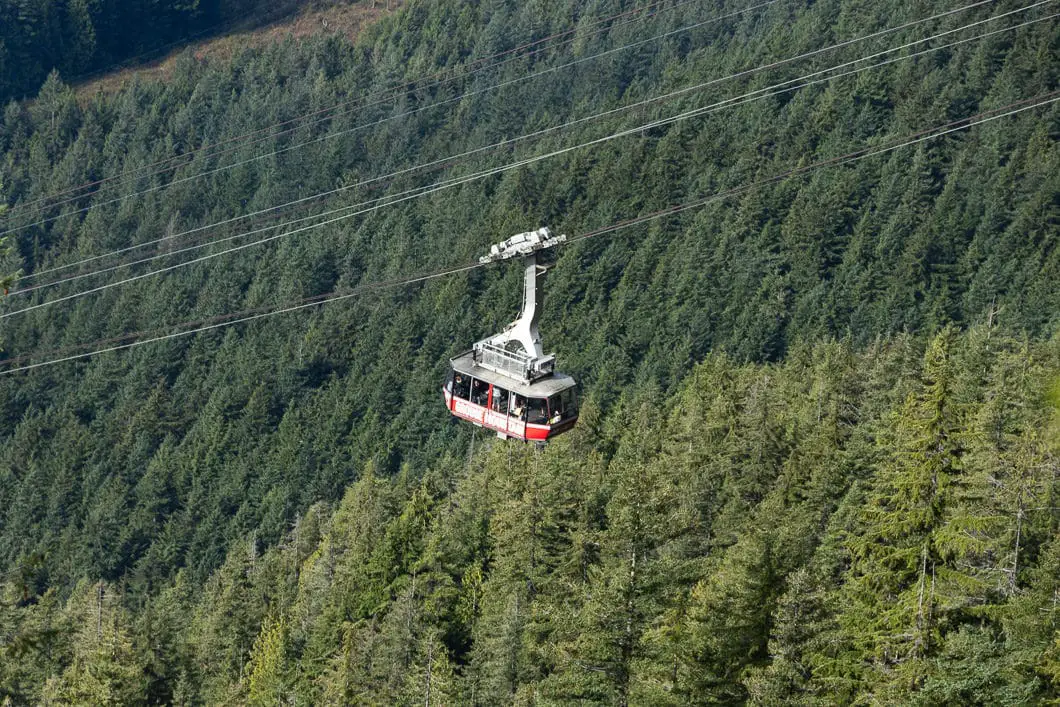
(199, 326)
(403, 86)
(380, 121)
(457, 181)
(449, 159)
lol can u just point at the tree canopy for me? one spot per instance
(817, 453)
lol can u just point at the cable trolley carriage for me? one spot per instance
(506, 383)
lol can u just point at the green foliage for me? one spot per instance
(524, 576)
(818, 449)
(105, 666)
(7, 277)
(893, 610)
(79, 37)
(265, 673)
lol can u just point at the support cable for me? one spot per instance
(380, 121)
(458, 181)
(447, 161)
(396, 89)
(130, 340)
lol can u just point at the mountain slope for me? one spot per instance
(765, 533)
(159, 470)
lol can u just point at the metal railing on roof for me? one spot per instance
(516, 364)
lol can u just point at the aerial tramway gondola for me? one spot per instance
(506, 383)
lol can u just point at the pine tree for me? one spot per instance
(623, 589)
(893, 612)
(799, 630)
(224, 628)
(7, 276)
(34, 638)
(106, 668)
(728, 622)
(79, 36)
(430, 680)
(266, 679)
(989, 531)
(499, 657)
(1031, 622)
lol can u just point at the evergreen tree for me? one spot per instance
(106, 667)
(266, 680)
(894, 611)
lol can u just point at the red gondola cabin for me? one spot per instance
(532, 412)
(506, 383)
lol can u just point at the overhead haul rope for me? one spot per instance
(436, 104)
(648, 11)
(457, 181)
(134, 339)
(446, 161)
(380, 121)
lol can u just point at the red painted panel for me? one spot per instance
(496, 421)
(516, 429)
(537, 432)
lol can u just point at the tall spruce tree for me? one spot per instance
(894, 613)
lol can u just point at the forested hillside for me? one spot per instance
(817, 457)
(79, 37)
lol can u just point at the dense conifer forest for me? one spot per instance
(819, 442)
(82, 37)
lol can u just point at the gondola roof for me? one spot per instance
(540, 388)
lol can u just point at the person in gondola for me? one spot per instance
(518, 407)
(500, 400)
(461, 386)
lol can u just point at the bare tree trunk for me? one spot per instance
(627, 639)
(430, 663)
(1016, 554)
(917, 643)
(99, 614)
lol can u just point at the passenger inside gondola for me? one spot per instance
(500, 400)
(461, 386)
(537, 411)
(562, 406)
(480, 391)
(518, 406)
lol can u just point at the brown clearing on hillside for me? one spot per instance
(343, 18)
